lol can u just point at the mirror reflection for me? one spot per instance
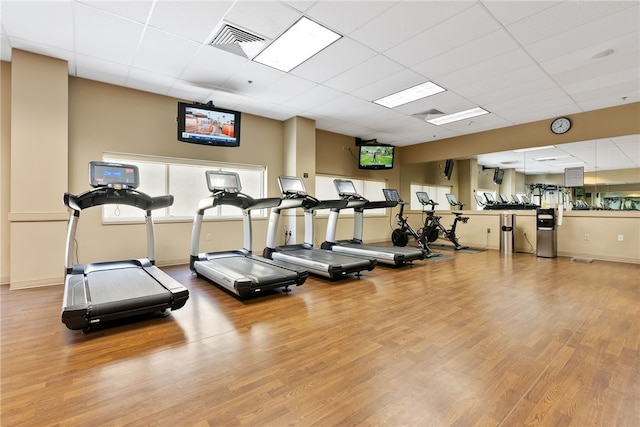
(611, 173)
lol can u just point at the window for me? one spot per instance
(369, 189)
(185, 180)
(435, 192)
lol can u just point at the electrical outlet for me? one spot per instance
(587, 237)
(208, 237)
(488, 230)
(620, 238)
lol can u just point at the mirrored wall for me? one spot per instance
(611, 172)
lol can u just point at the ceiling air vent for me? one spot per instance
(429, 114)
(239, 42)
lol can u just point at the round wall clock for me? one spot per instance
(560, 125)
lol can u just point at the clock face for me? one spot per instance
(560, 125)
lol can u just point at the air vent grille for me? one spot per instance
(237, 41)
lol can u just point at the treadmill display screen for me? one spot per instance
(225, 181)
(103, 174)
(291, 185)
(489, 197)
(344, 187)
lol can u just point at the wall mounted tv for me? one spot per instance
(208, 125)
(498, 175)
(376, 156)
(448, 169)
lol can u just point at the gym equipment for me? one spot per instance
(433, 229)
(322, 262)
(453, 201)
(99, 292)
(506, 204)
(238, 271)
(400, 236)
(384, 254)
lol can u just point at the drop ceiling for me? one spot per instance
(521, 61)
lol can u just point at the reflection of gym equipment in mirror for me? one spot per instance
(433, 229)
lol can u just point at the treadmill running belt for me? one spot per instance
(123, 289)
(259, 272)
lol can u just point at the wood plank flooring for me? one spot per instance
(474, 340)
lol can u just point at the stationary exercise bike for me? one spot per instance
(433, 229)
(400, 236)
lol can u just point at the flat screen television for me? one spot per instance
(208, 125)
(498, 175)
(376, 156)
(448, 169)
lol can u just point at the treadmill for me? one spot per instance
(100, 292)
(321, 262)
(238, 271)
(393, 255)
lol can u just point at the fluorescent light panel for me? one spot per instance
(304, 39)
(522, 150)
(408, 95)
(550, 158)
(461, 115)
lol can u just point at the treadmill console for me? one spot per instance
(489, 198)
(292, 186)
(114, 175)
(223, 181)
(345, 188)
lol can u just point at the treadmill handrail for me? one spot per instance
(106, 196)
(239, 200)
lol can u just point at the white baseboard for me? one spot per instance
(25, 284)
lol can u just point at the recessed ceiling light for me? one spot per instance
(522, 150)
(461, 115)
(548, 159)
(300, 42)
(408, 95)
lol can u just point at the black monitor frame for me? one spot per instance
(292, 185)
(106, 174)
(223, 181)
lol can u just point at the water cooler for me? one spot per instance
(546, 237)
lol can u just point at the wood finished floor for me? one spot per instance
(474, 340)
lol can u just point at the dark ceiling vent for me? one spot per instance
(239, 42)
(428, 114)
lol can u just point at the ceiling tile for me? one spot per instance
(103, 35)
(444, 36)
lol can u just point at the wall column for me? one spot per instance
(300, 160)
(39, 169)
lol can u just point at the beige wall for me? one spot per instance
(105, 118)
(5, 168)
(38, 171)
(146, 124)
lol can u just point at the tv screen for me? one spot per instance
(376, 156)
(448, 168)
(498, 175)
(208, 125)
